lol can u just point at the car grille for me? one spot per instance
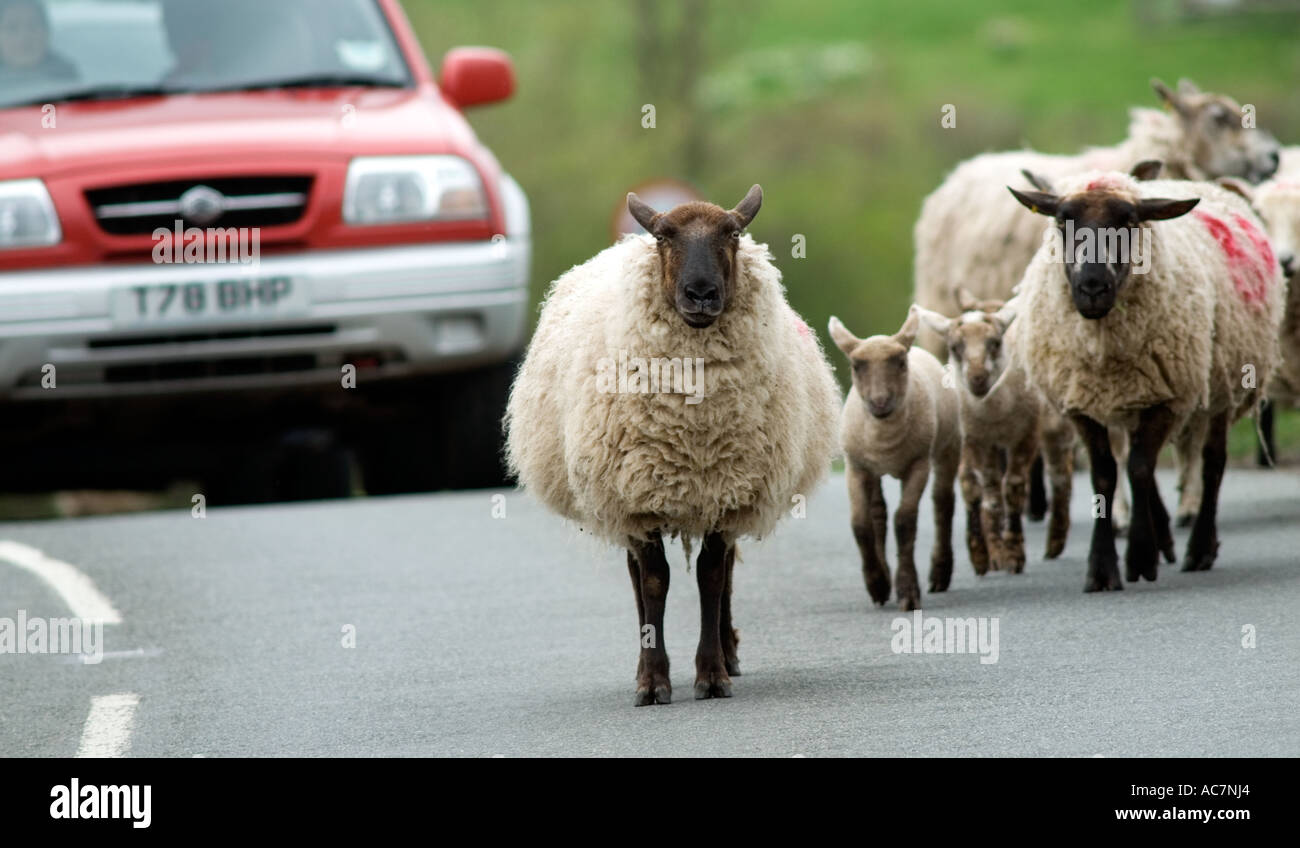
(141, 208)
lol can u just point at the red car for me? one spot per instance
(245, 243)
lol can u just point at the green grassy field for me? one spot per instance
(834, 106)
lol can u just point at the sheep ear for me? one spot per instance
(1187, 88)
(1038, 202)
(1003, 318)
(1237, 186)
(746, 209)
(644, 214)
(1167, 95)
(1162, 209)
(1038, 181)
(939, 323)
(907, 334)
(1147, 169)
(965, 300)
(840, 334)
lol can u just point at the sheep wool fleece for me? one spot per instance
(626, 464)
(1197, 331)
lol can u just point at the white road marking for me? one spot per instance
(88, 659)
(77, 590)
(107, 732)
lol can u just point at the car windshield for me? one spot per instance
(59, 50)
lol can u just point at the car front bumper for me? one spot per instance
(388, 311)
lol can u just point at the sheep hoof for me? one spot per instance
(1103, 575)
(1140, 562)
(878, 588)
(1055, 545)
(909, 600)
(653, 691)
(941, 574)
(733, 666)
(1200, 560)
(712, 685)
(1011, 559)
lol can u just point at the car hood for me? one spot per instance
(316, 123)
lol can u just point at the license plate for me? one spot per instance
(239, 299)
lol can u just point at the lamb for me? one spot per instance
(898, 420)
(970, 234)
(1179, 331)
(1004, 421)
(634, 459)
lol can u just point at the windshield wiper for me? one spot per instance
(98, 92)
(317, 81)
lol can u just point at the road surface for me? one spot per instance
(477, 634)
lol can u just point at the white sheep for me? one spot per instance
(971, 234)
(1005, 421)
(1278, 203)
(1154, 321)
(634, 458)
(898, 420)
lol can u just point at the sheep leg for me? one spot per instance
(1058, 454)
(1204, 544)
(730, 638)
(907, 585)
(1267, 453)
(866, 501)
(1160, 522)
(992, 514)
(1037, 490)
(1188, 446)
(1142, 556)
(711, 680)
(970, 492)
(653, 685)
(1021, 459)
(1120, 508)
(634, 570)
(945, 472)
(1103, 562)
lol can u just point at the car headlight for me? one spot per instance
(396, 189)
(27, 216)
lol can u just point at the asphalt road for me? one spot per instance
(481, 636)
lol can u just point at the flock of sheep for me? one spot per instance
(1149, 310)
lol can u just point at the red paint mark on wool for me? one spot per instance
(1107, 182)
(1260, 243)
(1250, 274)
(802, 328)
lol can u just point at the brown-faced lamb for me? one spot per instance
(1005, 422)
(898, 420)
(632, 463)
